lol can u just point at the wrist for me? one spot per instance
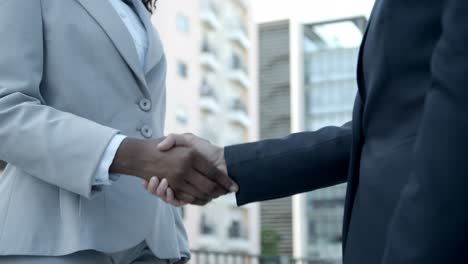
(121, 163)
(132, 157)
(222, 161)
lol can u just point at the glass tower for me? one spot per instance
(330, 60)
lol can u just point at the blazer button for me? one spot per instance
(145, 105)
(146, 131)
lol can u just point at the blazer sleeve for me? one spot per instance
(430, 224)
(299, 163)
(57, 147)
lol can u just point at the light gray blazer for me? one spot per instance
(70, 79)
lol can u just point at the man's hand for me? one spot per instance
(191, 176)
(212, 153)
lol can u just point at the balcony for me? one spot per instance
(210, 15)
(238, 113)
(209, 98)
(211, 257)
(238, 245)
(238, 35)
(241, 78)
(209, 57)
(239, 71)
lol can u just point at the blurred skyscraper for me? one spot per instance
(307, 81)
(331, 51)
(211, 89)
(275, 122)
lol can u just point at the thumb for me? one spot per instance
(172, 141)
(168, 143)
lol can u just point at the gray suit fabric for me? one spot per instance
(137, 255)
(70, 80)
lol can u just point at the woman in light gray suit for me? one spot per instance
(76, 78)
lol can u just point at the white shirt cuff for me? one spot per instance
(102, 176)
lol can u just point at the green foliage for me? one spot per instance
(270, 242)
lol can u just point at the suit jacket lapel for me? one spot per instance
(114, 27)
(353, 177)
(155, 48)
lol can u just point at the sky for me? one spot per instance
(309, 10)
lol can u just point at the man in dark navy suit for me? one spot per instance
(404, 155)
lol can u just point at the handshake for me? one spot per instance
(180, 169)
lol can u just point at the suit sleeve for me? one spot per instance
(57, 147)
(299, 163)
(430, 224)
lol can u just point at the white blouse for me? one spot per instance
(134, 24)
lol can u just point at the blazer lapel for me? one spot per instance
(353, 176)
(114, 27)
(358, 112)
(155, 48)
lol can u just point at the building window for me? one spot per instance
(182, 69)
(183, 23)
(235, 230)
(205, 227)
(237, 63)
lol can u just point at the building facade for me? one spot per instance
(211, 89)
(308, 81)
(331, 51)
(275, 122)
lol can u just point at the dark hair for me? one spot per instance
(150, 4)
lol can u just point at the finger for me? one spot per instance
(172, 199)
(182, 185)
(145, 184)
(191, 137)
(209, 188)
(153, 184)
(201, 202)
(185, 198)
(162, 188)
(210, 171)
(172, 141)
(192, 190)
(189, 199)
(170, 196)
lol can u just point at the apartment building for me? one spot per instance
(212, 91)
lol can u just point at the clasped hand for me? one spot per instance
(177, 162)
(213, 154)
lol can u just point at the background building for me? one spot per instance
(331, 51)
(211, 89)
(275, 121)
(307, 81)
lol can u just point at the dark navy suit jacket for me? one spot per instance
(405, 153)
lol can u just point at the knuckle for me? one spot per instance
(189, 136)
(189, 154)
(178, 173)
(206, 197)
(213, 188)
